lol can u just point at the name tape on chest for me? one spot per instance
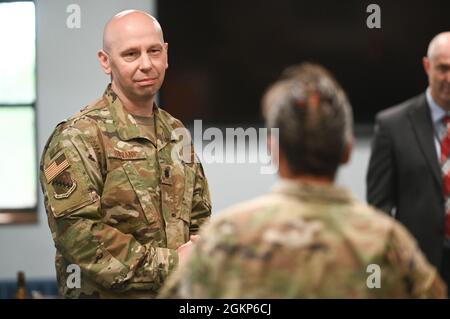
(127, 154)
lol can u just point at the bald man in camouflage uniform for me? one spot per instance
(122, 201)
(307, 238)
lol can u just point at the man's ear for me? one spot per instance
(105, 63)
(273, 148)
(166, 47)
(347, 152)
(426, 64)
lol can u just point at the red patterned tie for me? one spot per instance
(445, 165)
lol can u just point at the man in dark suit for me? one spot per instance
(410, 161)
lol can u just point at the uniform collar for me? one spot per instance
(313, 192)
(126, 125)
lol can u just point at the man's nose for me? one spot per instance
(146, 62)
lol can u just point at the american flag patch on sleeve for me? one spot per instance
(56, 167)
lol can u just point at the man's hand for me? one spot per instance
(185, 250)
(195, 238)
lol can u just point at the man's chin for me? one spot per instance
(445, 96)
(445, 102)
(144, 94)
(147, 89)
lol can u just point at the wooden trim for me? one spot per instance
(18, 217)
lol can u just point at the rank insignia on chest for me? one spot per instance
(166, 174)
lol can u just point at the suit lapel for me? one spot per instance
(423, 127)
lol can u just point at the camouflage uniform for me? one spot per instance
(304, 241)
(118, 203)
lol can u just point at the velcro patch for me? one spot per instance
(56, 167)
(126, 154)
(166, 174)
(63, 185)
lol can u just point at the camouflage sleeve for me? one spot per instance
(208, 270)
(171, 287)
(421, 280)
(71, 180)
(191, 281)
(201, 201)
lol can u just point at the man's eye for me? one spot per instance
(130, 55)
(155, 51)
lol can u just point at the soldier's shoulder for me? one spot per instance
(369, 230)
(85, 122)
(88, 116)
(170, 119)
(400, 236)
(377, 216)
(95, 111)
(263, 208)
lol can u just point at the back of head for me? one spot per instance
(314, 119)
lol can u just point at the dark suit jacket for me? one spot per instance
(404, 176)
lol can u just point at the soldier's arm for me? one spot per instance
(201, 201)
(209, 267)
(189, 281)
(171, 288)
(420, 279)
(71, 170)
(380, 174)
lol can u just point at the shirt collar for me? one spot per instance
(313, 192)
(437, 112)
(127, 126)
